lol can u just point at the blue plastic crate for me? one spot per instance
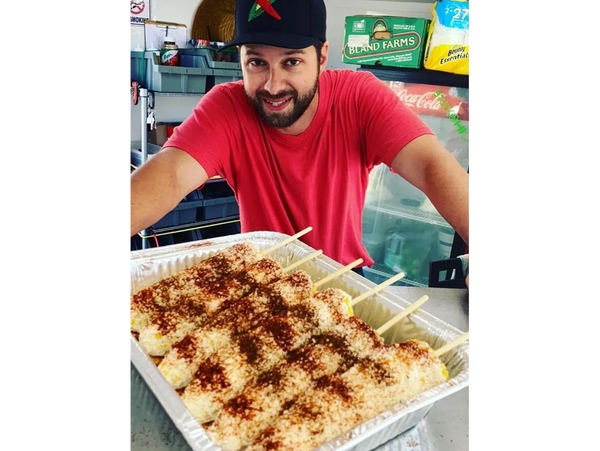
(179, 79)
(221, 230)
(193, 58)
(139, 67)
(218, 208)
(225, 76)
(146, 70)
(223, 71)
(205, 58)
(136, 154)
(185, 237)
(197, 73)
(184, 213)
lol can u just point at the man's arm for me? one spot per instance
(425, 163)
(160, 184)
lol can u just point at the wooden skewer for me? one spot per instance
(377, 289)
(339, 272)
(453, 344)
(411, 308)
(302, 261)
(288, 240)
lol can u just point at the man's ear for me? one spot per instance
(324, 55)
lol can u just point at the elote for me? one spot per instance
(224, 374)
(184, 285)
(340, 402)
(183, 360)
(173, 324)
(244, 417)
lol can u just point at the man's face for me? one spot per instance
(281, 83)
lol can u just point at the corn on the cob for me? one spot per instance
(340, 402)
(186, 284)
(173, 324)
(244, 417)
(185, 357)
(224, 374)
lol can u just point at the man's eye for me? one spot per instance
(256, 63)
(292, 62)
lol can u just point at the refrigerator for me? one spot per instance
(402, 230)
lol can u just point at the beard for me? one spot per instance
(298, 103)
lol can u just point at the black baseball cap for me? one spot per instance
(292, 24)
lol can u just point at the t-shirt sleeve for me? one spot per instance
(206, 134)
(386, 122)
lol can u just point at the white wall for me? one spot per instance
(183, 11)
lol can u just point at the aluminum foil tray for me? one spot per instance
(151, 265)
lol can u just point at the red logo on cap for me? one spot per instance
(263, 5)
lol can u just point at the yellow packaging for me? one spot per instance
(448, 37)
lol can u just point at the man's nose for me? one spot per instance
(276, 82)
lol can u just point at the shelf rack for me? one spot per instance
(421, 76)
(144, 95)
(384, 272)
(413, 213)
(189, 227)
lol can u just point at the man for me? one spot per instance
(296, 142)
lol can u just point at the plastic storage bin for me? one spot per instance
(146, 70)
(179, 79)
(184, 237)
(205, 58)
(219, 202)
(184, 213)
(226, 76)
(221, 230)
(136, 153)
(139, 67)
(198, 72)
(223, 71)
(219, 208)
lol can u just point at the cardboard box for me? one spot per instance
(384, 41)
(158, 135)
(161, 133)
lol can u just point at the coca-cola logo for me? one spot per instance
(426, 100)
(453, 116)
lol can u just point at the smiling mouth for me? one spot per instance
(277, 104)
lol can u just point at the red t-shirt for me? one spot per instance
(286, 183)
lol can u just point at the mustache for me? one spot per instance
(279, 95)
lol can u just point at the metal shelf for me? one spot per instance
(176, 94)
(413, 213)
(384, 271)
(422, 76)
(193, 225)
(144, 94)
(169, 94)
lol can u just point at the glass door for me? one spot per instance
(402, 230)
